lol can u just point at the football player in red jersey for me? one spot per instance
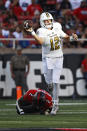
(34, 101)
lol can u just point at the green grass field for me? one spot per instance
(72, 114)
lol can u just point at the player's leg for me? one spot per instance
(48, 77)
(56, 77)
(55, 99)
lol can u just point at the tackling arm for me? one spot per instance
(19, 110)
(23, 108)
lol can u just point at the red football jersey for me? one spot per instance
(28, 97)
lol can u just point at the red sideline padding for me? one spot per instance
(70, 129)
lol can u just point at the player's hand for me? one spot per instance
(30, 29)
(21, 113)
(75, 37)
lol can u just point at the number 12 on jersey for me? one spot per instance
(54, 43)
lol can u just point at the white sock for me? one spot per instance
(55, 94)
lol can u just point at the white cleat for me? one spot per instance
(54, 110)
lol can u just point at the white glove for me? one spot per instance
(21, 113)
(31, 31)
(73, 37)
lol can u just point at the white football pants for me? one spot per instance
(52, 68)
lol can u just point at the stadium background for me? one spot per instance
(72, 83)
(72, 14)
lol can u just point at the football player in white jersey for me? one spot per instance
(50, 36)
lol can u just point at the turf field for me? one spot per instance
(72, 114)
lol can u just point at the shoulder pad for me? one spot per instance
(57, 25)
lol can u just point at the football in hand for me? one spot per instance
(27, 24)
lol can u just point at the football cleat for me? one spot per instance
(54, 110)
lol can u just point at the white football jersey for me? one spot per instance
(52, 46)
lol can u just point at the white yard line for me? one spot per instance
(72, 104)
(59, 104)
(60, 112)
(10, 104)
(72, 110)
(7, 109)
(69, 112)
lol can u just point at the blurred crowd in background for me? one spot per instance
(72, 14)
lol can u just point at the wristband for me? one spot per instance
(71, 38)
(33, 32)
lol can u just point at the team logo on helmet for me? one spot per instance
(47, 14)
